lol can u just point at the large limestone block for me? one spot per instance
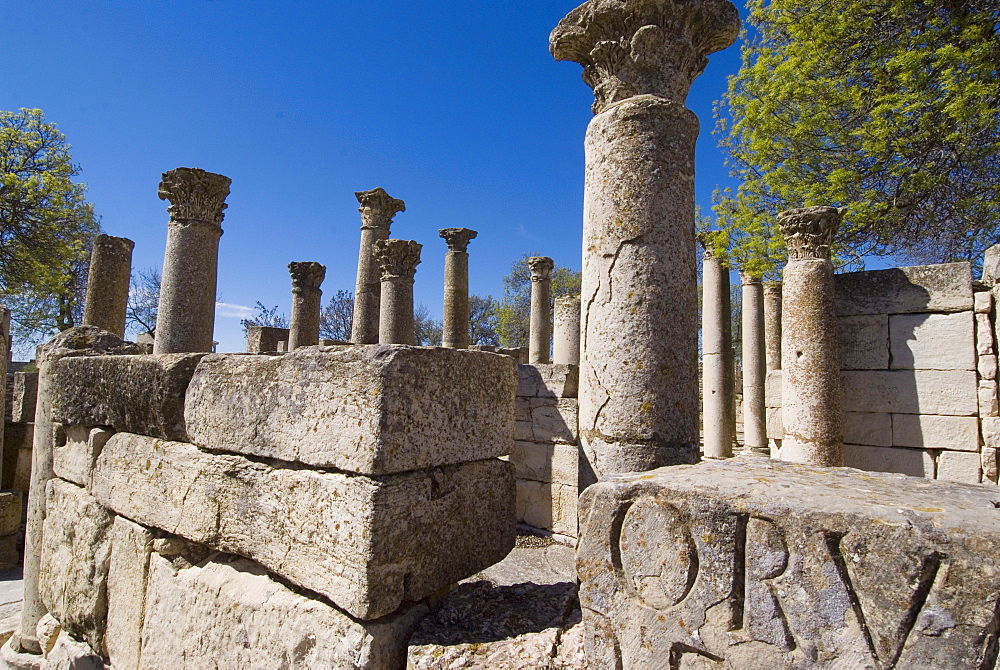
(69, 653)
(131, 546)
(547, 420)
(546, 462)
(912, 462)
(557, 380)
(948, 392)
(74, 561)
(366, 543)
(959, 467)
(10, 512)
(864, 342)
(226, 613)
(922, 288)
(932, 341)
(775, 428)
(134, 394)
(24, 397)
(759, 564)
(959, 433)
(547, 506)
(374, 409)
(869, 428)
(74, 455)
(772, 389)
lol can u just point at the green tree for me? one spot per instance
(514, 310)
(46, 227)
(337, 316)
(890, 108)
(483, 320)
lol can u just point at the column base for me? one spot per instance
(18, 660)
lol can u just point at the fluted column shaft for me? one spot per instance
(540, 326)
(754, 373)
(398, 260)
(455, 326)
(303, 326)
(566, 330)
(718, 426)
(108, 284)
(377, 212)
(772, 325)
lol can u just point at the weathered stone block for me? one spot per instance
(988, 403)
(228, 613)
(366, 543)
(69, 653)
(923, 288)
(24, 397)
(912, 462)
(983, 301)
(74, 561)
(546, 462)
(775, 429)
(984, 335)
(868, 428)
(935, 432)
(864, 342)
(547, 420)
(133, 394)
(372, 409)
(772, 389)
(991, 431)
(264, 339)
(127, 576)
(547, 506)
(932, 341)
(957, 466)
(548, 381)
(987, 367)
(73, 459)
(10, 512)
(950, 392)
(756, 564)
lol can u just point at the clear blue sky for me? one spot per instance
(455, 107)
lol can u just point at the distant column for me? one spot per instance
(303, 327)
(186, 313)
(754, 412)
(566, 335)
(398, 260)
(718, 394)
(377, 211)
(455, 329)
(107, 284)
(810, 364)
(772, 325)
(540, 326)
(5, 343)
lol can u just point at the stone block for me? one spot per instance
(932, 341)
(923, 288)
(548, 380)
(227, 613)
(20, 436)
(873, 429)
(984, 335)
(69, 653)
(546, 462)
(368, 544)
(959, 433)
(547, 420)
(983, 302)
(864, 342)
(775, 429)
(988, 404)
(370, 409)
(24, 397)
(547, 506)
(127, 577)
(987, 367)
(991, 431)
(988, 458)
(912, 462)
(10, 512)
(134, 394)
(75, 550)
(73, 457)
(949, 392)
(772, 389)
(264, 339)
(958, 466)
(758, 564)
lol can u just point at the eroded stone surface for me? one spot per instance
(24, 396)
(73, 457)
(548, 381)
(923, 288)
(932, 341)
(131, 545)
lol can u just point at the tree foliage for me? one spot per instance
(337, 316)
(514, 310)
(483, 320)
(143, 301)
(890, 108)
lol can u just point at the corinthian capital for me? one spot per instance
(747, 278)
(457, 238)
(307, 276)
(398, 258)
(195, 195)
(378, 208)
(643, 47)
(809, 231)
(541, 267)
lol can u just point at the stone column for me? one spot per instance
(566, 336)
(810, 361)
(718, 394)
(5, 343)
(303, 327)
(754, 410)
(398, 260)
(186, 314)
(455, 329)
(639, 358)
(772, 325)
(377, 211)
(107, 284)
(540, 327)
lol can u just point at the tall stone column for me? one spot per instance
(377, 211)
(398, 260)
(718, 394)
(772, 325)
(186, 313)
(639, 358)
(303, 327)
(754, 411)
(5, 344)
(810, 361)
(566, 333)
(540, 326)
(455, 330)
(107, 284)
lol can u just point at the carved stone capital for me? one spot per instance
(306, 276)
(809, 231)
(378, 208)
(195, 195)
(643, 47)
(748, 279)
(457, 238)
(541, 267)
(772, 288)
(398, 258)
